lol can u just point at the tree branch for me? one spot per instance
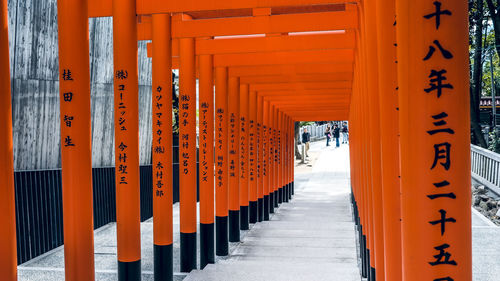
(491, 7)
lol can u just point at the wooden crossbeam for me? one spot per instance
(304, 97)
(301, 86)
(325, 77)
(263, 70)
(162, 6)
(281, 58)
(316, 115)
(327, 21)
(342, 40)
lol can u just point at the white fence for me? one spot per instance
(485, 166)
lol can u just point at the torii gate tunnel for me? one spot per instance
(396, 69)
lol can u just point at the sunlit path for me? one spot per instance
(310, 238)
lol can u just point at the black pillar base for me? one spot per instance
(290, 191)
(271, 202)
(234, 226)
(253, 211)
(129, 271)
(293, 187)
(266, 207)
(221, 236)
(280, 195)
(260, 209)
(244, 225)
(206, 244)
(285, 193)
(368, 262)
(276, 198)
(188, 251)
(372, 274)
(163, 262)
(364, 261)
(361, 250)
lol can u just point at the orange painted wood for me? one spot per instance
(160, 6)
(187, 137)
(265, 149)
(278, 58)
(243, 144)
(421, 240)
(297, 78)
(221, 143)
(8, 246)
(301, 86)
(162, 131)
(327, 21)
(265, 70)
(252, 147)
(126, 131)
(206, 136)
(233, 142)
(276, 44)
(389, 125)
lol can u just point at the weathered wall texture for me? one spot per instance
(35, 88)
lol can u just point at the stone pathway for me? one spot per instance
(485, 248)
(310, 238)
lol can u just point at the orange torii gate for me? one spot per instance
(298, 60)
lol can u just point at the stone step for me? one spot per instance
(283, 271)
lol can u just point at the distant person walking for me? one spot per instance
(306, 138)
(345, 133)
(336, 134)
(328, 134)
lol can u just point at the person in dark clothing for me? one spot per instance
(328, 134)
(336, 134)
(345, 133)
(306, 138)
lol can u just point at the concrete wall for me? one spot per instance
(35, 87)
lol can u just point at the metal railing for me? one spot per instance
(485, 167)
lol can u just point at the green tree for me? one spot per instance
(476, 29)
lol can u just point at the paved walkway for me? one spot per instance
(310, 238)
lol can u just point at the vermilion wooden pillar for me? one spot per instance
(372, 61)
(356, 169)
(279, 167)
(187, 153)
(243, 156)
(265, 159)
(357, 148)
(274, 160)
(260, 157)
(292, 143)
(283, 157)
(389, 125)
(234, 150)
(8, 259)
(126, 113)
(221, 162)
(252, 157)
(433, 72)
(206, 154)
(366, 92)
(291, 154)
(76, 148)
(162, 144)
(289, 157)
(272, 194)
